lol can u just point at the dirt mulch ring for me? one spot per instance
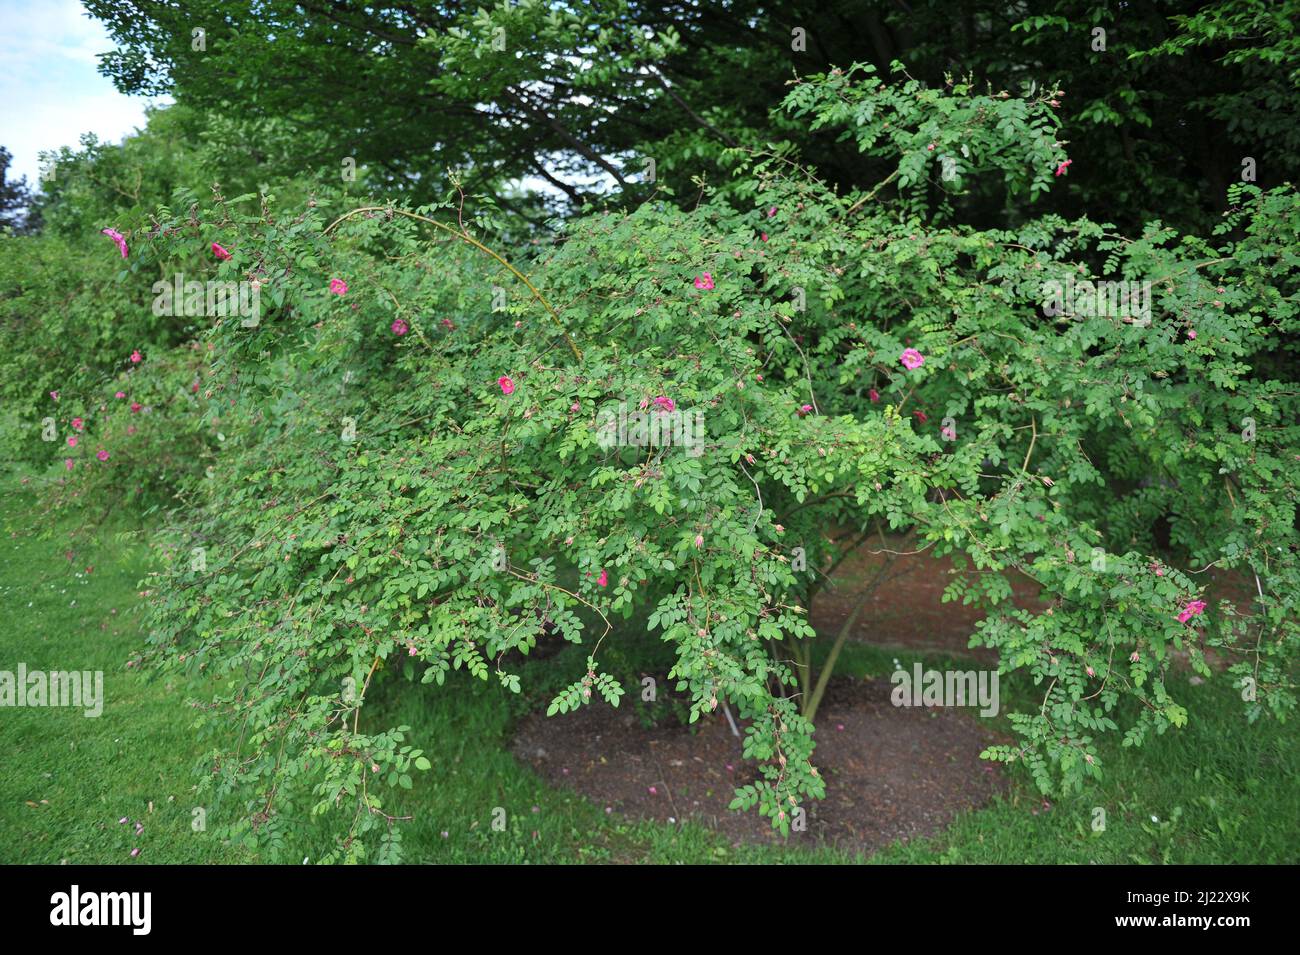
(891, 772)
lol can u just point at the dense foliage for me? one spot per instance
(404, 464)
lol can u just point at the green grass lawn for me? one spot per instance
(1218, 791)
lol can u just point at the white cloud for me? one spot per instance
(49, 83)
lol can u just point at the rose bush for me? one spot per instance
(416, 473)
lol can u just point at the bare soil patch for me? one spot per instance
(891, 772)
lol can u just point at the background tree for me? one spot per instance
(1164, 100)
(16, 200)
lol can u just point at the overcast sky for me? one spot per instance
(50, 90)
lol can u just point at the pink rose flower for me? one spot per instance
(54, 395)
(507, 385)
(667, 404)
(220, 252)
(116, 237)
(72, 440)
(911, 359)
(77, 424)
(1193, 609)
(803, 410)
(704, 282)
(338, 286)
(102, 454)
(136, 357)
(874, 395)
(948, 433)
(699, 540)
(1191, 333)
(120, 394)
(399, 327)
(67, 463)
(136, 406)
(1060, 170)
(603, 579)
